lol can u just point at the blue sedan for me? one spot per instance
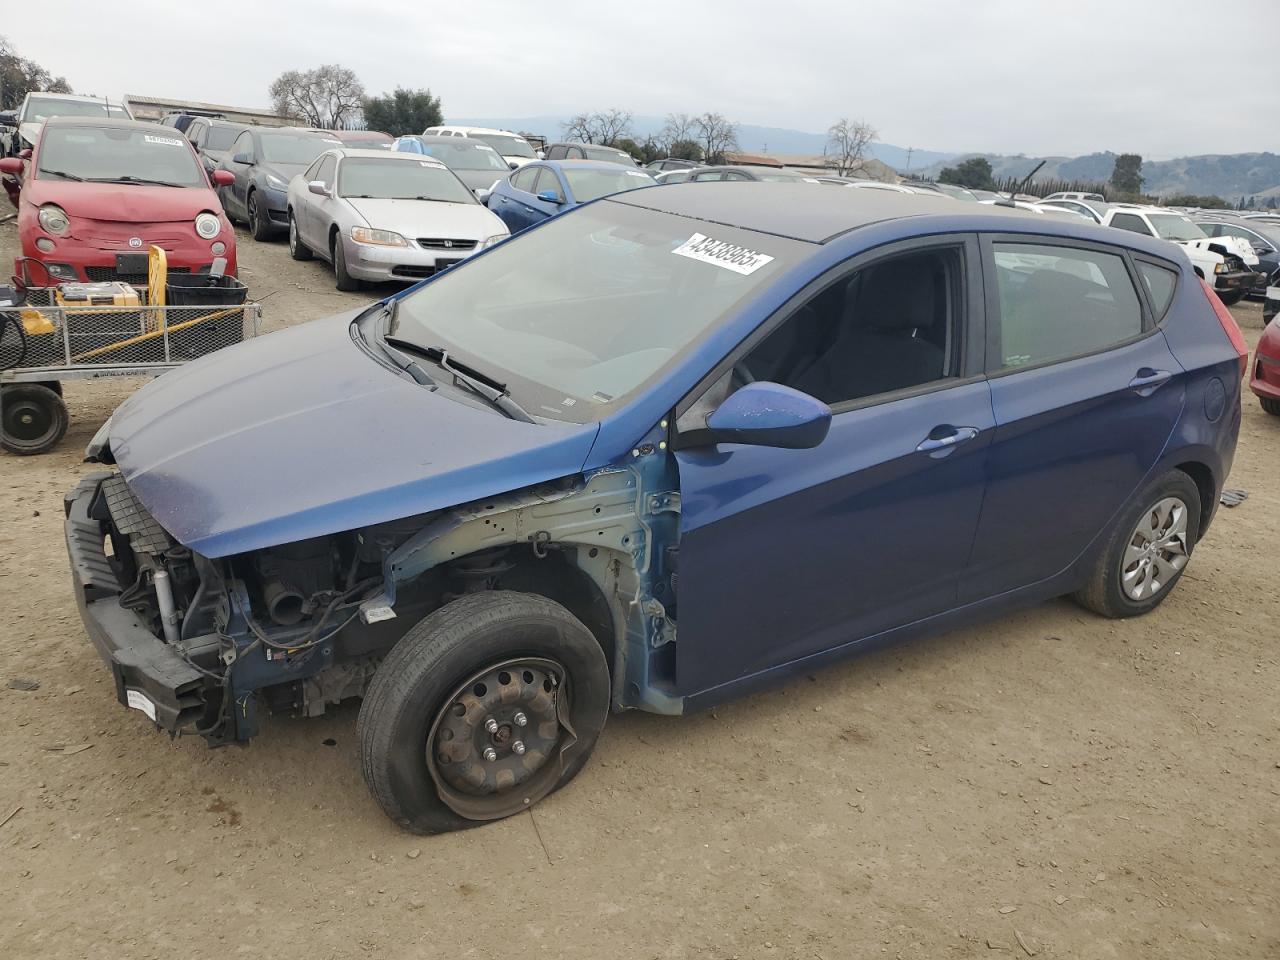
(672, 447)
(541, 190)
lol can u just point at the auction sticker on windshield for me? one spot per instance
(721, 253)
(169, 141)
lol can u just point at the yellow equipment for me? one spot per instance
(85, 296)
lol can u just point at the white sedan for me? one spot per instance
(376, 216)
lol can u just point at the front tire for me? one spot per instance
(258, 220)
(1270, 406)
(486, 706)
(33, 417)
(342, 279)
(1148, 550)
(297, 249)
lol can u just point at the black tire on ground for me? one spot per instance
(259, 222)
(54, 385)
(1231, 297)
(1103, 593)
(33, 418)
(420, 679)
(1271, 406)
(344, 280)
(297, 249)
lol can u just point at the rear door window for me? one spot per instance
(1060, 302)
(548, 182)
(1131, 222)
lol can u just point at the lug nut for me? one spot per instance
(518, 748)
(520, 719)
(491, 725)
(490, 754)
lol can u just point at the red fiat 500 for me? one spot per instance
(97, 193)
(1264, 379)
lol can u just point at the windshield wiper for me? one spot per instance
(139, 180)
(402, 360)
(496, 393)
(62, 174)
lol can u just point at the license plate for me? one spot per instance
(131, 263)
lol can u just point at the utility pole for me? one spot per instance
(910, 150)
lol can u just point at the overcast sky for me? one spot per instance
(1009, 76)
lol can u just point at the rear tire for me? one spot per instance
(33, 418)
(297, 249)
(1146, 554)
(423, 727)
(344, 280)
(1271, 406)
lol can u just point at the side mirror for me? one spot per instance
(223, 178)
(11, 165)
(764, 414)
(1263, 251)
(542, 154)
(24, 154)
(513, 165)
(482, 194)
(242, 158)
(318, 188)
(550, 196)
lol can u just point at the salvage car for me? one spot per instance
(261, 162)
(588, 151)
(212, 138)
(476, 163)
(672, 447)
(38, 107)
(547, 188)
(377, 215)
(1263, 238)
(515, 150)
(1225, 262)
(98, 192)
(1265, 379)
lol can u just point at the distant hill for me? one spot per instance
(1229, 176)
(752, 139)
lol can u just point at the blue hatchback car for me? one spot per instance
(541, 190)
(670, 448)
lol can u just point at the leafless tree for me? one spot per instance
(716, 135)
(603, 126)
(848, 141)
(678, 128)
(328, 96)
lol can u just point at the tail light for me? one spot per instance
(1229, 325)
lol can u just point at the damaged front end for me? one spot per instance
(204, 645)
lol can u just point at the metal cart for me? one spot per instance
(43, 343)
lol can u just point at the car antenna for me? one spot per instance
(1020, 186)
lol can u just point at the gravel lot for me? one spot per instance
(1049, 784)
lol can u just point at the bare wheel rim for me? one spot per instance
(1157, 550)
(293, 235)
(253, 212)
(501, 740)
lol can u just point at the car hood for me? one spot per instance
(120, 202)
(300, 433)
(481, 179)
(427, 218)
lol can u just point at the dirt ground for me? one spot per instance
(1050, 784)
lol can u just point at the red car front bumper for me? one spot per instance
(1264, 380)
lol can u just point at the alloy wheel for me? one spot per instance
(1157, 550)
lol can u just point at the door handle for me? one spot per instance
(938, 446)
(502, 199)
(1147, 381)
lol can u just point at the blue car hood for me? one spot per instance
(300, 433)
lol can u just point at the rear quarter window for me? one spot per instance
(1061, 302)
(1160, 283)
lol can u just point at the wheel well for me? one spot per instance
(1202, 477)
(1199, 272)
(333, 237)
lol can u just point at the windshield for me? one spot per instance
(294, 147)
(220, 138)
(1170, 226)
(42, 108)
(118, 153)
(466, 155)
(400, 179)
(609, 155)
(780, 176)
(592, 184)
(592, 305)
(506, 144)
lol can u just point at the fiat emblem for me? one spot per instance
(135, 241)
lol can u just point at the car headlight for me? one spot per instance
(274, 181)
(207, 226)
(54, 220)
(383, 238)
(1219, 268)
(491, 241)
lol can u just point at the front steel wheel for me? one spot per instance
(482, 709)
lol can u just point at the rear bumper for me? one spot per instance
(149, 675)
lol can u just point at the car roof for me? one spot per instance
(587, 165)
(802, 212)
(354, 153)
(74, 97)
(433, 138)
(106, 122)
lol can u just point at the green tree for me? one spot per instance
(19, 76)
(1126, 177)
(974, 173)
(403, 112)
(684, 150)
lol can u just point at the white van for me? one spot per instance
(514, 148)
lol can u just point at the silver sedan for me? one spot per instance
(376, 215)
